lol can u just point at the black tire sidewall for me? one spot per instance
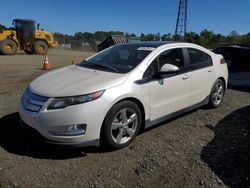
(39, 43)
(211, 102)
(8, 42)
(106, 138)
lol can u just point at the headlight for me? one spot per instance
(63, 102)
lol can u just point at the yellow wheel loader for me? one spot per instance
(26, 37)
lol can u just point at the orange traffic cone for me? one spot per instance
(46, 63)
(73, 61)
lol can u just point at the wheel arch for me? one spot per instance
(224, 81)
(137, 102)
(10, 38)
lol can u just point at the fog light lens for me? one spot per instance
(70, 130)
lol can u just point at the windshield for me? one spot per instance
(119, 58)
(25, 25)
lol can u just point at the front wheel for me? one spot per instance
(217, 94)
(121, 125)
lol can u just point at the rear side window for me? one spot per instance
(198, 57)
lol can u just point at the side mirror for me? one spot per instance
(169, 68)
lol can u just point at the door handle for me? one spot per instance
(210, 70)
(185, 76)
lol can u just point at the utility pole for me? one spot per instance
(181, 23)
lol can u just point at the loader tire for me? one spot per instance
(40, 47)
(8, 47)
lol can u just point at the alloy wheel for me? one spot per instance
(218, 93)
(124, 126)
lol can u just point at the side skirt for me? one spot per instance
(149, 123)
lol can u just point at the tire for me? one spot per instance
(40, 47)
(217, 94)
(117, 134)
(8, 47)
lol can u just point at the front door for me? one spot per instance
(170, 92)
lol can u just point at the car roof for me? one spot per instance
(239, 46)
(154, 44)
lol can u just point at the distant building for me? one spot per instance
(86, 44)
(112, 40)
(134, 39)
(67, 46)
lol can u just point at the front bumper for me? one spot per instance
(36, 136)
(39, 124)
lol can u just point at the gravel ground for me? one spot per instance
(203, 148)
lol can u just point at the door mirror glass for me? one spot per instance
(169, 68)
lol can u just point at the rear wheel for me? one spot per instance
(40, 47)
(8, 47)
(217, 94)
(121, 124)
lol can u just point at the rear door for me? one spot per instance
(201, 66)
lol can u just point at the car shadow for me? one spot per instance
(166, 122)
(228, 154)
(240, 88)
(13, 140)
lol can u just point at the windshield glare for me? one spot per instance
(119, 58)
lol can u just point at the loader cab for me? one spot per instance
(25, 31)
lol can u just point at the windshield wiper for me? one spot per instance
(103, 66)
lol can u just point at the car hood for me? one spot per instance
(74, 80)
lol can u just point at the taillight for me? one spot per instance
(222, 61)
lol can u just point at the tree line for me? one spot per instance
(206, 38)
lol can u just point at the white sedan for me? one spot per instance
(107, 98)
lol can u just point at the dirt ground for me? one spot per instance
(203, 148)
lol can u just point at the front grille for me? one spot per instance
(33, 102)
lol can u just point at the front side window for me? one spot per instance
(173, 56)
(119, 58)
